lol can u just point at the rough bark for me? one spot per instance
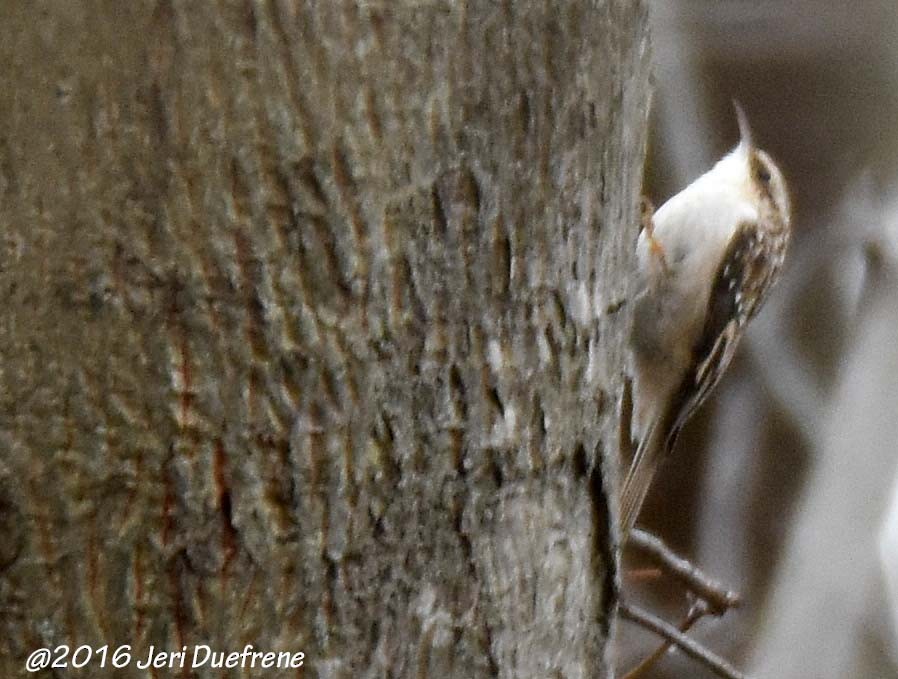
(310, 334)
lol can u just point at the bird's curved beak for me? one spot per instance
(745, 140)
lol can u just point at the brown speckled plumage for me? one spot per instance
(677, 305)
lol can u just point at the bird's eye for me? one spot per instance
(763, 174)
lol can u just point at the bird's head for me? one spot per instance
(764, 179)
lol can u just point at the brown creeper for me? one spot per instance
(705, 269)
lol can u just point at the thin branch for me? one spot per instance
(689, 646)
(698, 610)
(652, 573)
(719, 598)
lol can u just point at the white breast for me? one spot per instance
(694, 228)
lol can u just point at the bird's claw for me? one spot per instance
(647, 211)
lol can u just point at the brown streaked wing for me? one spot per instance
(744, 278)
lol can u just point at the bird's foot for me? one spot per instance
(648, 228)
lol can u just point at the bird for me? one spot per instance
(706, 260)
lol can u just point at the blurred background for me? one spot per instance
(782, 487)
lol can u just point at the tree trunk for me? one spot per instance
(310, 336)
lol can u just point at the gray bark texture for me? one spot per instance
(310, 334)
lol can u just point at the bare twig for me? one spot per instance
(644, 573)
(689, 646)
(719, 598)
(698, 610)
